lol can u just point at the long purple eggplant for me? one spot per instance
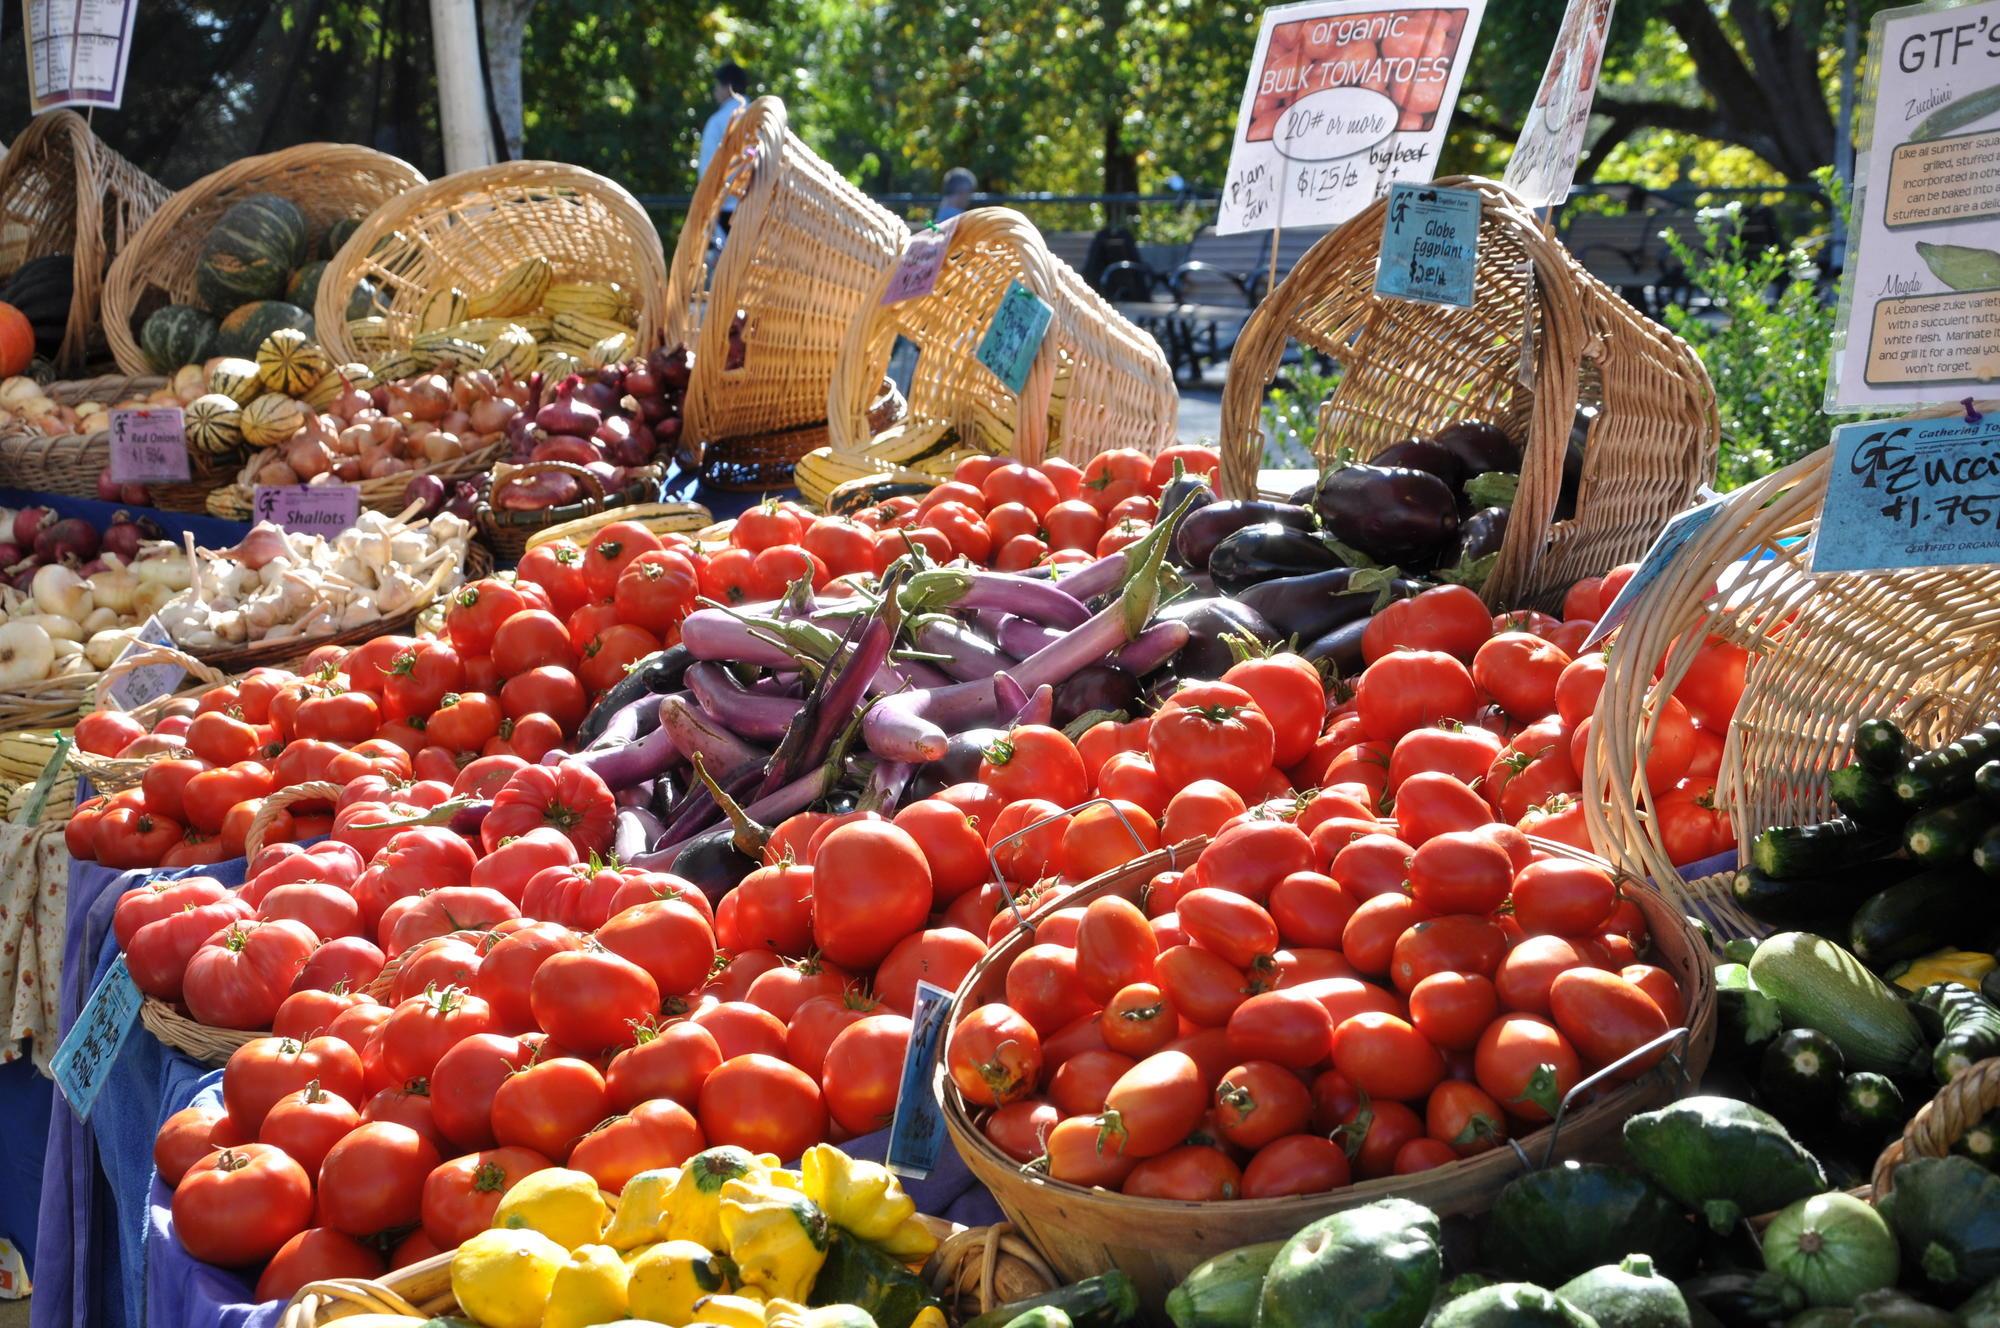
(748, 714)
(1098, 578)
(1151, 648)
(840, 691)
(635, 762)
(695, 733)
(962, 653)
(738, 638)
(635, 833)
(962, 589)
(915, 725)
(1021, 638)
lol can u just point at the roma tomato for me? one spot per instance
(1287, 1027)
(994, 1056)
(1369, 941)
(1082, 1082)
(1310, 909)
(1021, 1129)
(1115, 947)
(1524, 1063)
(1456, 943)
(1155, 1104)
(1385, 1057)
(373, 1180)
(1531, 967)
(1138, 1020)
(1203, 987)
(240, 1205)
(1086, 1150)
(1563, 897)
(1465, 1118)
(1451, 1010)
(1460, 871)
(1042, 984)
(1606, 1017)
(1429, 805)
(1227, 924)
(1375, 1132)
(1295, 1164)
(1258, 1102)
(1193, 1173)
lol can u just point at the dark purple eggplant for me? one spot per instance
(1479, 447)
(958, 765)
(1208, 527)
(1424, 454)
(1405, 517)
(1482, 533)
(1097, 687)
(1573, 452)
(1309, 606)
(1303, 496)
(1340, 647)
(1193, 489)
(712, 862)
(1206, 655)
(1264, 553)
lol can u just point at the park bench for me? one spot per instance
(1196, 309)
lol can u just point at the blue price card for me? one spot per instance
(1911, 493)
(1430, 245)
(1674, 537)
(916, 1131)
(1015, 335)
(84, 1060)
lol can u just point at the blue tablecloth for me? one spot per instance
(24, 1106)
(210, 532)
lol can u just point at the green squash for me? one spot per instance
(1629, 1294)
(1821, 1318)
(1945, 1212)
(246, 327)
(1512, 1305)
(365, 300)
(339, 233)
(1896, 1309)
(1983, 1310)
(1552, 1225)
(857, 1273)
(302, 288)
(1376, 1266)
(177, 334)
(1723, 1158)
(1832, 1247)
(250, 253)
(1222, 1292)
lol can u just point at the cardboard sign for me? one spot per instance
(1920, 303)
(1015, 335)
(77, 51)
(148, 446)
(1545, 156)
(1675, 536)
(916, 1131)
(310, 509)
(1344, 98)
(135, 687)
(1430, 245)
(1911, 493)
(84, 1060)
(921, 265)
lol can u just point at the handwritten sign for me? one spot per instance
(1430, 245)
(916, 1131)
(1545, 156)
(312, 509)
(148, 446)
(1911, 493)
(77, 51)
(921, 265)
(1676, 535)
(84, 1060)
(38, 796)
(1015, 335)
(1920, 301)
(134, 687)
(1343, 99)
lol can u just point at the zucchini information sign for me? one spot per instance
(1911, 493)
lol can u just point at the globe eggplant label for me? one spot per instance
(1014, 337)
(916, 1130)
(1430, 245)
(83, 1061)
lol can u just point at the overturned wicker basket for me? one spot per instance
(1542, 338)
(64, 191)
(327, 181)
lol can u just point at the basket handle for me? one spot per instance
(317, 790)
(1941, 1122)
(364, 1297)
(592, 486)
(146, 654)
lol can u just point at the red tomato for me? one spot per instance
(1042, 984)
(816, 1023)
(461, 1196)
(1460, 943)
(569, 796)
(1083, 1150)
(1012, 482)
(464, 1081)
(1374, 864)
(1606, 1017)
(1563, 897)
(670, 1062)
(549, 1105)
(1464, 1118)
(238, 977)
(651, 1136)
(1526, 1065)
(307, 1124)
(951, 845)
(373, 1180)
(1035, 761)
(1428, 805)
(1460, 871)
(1661, 987)
(1714, 683)
(506, 975)
(1230, 743)
(1230, 925)
(1201, 807)
(1375, 1132)
(1451, 1010)
(1138, 1020)
(589, 998)
(763, 1104)
(994, 1056)
(316, 1254)
(1250, 857)
(1448, 618)
(863, 1071)
(1530, 968)
(667, 938)
(1115, 947)
(1384, 1056)
(424, 1027)
(1295, 1164)
(1021, 1129)
(240, 1205)
(740, 1028)
(1520, 672)
(1203, 987)
(1258, 1102)
(1288, 1027)
(1155, 1104)
(1578, 688)
(1370, 938)
(476, 612)
(1531, 768)
(941, 956)
(1453, 749)
(1104, 836)
(871, 888)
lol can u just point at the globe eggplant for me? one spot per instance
(1479, 447)
(1482, 533)
(1424, 454)
(1340, 648)
(959, 764)
(1394, 515)
(1208, 527)
(1265, 552)
(1098, 687)
(1312, 605)
(1207, 655)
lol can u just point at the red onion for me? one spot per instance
(107, 488)
(71, 538)
(614, 428)
(464, 502)
(563, 447)
(425, 489)
(24, 580)
(550, 488)
(571, 412)
(653, 409)
(667, 430)
(640, 381)
(634, 449)
(521, 436)
(136, 494)
(92, 568)
(672, 367)
(122, 538)
(28, 524)
(10, 553)
(610, 476)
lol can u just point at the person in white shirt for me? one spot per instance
(959, 186)
(730, 85)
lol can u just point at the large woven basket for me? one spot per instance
(804, 249)
(328, 182)
(1157, 1241)
(1919, 647)
(1116, 389)
(509, 531)
(1972, 1095)
(1542, 338)
(468, 229)
(63, 191)
(69, 463)
(237, 501)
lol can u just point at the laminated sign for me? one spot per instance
(1344, 98)
(308, 509)
(1545, 156)
(1920, 306)
(1911, 493)
(1430, 245)
(83, 1061)
(1015, 335)
(77, 51)
(149, 445)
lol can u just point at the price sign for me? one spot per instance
(134, 687)
(78, 51)
(1673, 537)
(148, 446)
(916, 1131)
(922, 263)
(1430, 245)
(1015, 335)
(311, 509)
(1911, 493)
(84, 1060)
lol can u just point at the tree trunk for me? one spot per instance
(1766, 93)
(506, 24)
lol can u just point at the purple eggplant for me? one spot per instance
(1405, 517)
(1185, 488)
(1206, 655)
(1266, 552)
(1479, 447)
(1209, 526)
(1340, 647)
(959, 765)
(712, 863)
(1311, 606)
(1097, 687)
(1424, 454)
(1482, 533)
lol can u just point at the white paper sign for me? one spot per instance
(1920, 307)
(1344, 98)
(134, 687)
(77, 51)
(1545, 157)
(922, 263)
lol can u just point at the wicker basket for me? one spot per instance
(328, 181)
(1961, 1104)
(805, 249)
(1827, 651)
(1116, 389)
(69, 463)
(508, 531)
(1157, 1242)
(112, 774)
(660, 518)
(237, 501)
(63, 191)
(1412, 368)
(468, 229)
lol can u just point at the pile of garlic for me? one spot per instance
(277, 585)
(66, 624)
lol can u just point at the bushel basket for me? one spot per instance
(804, 250)
(1543, 339)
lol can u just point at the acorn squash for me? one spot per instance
(178, 334)
(246, 326)
(250, 253)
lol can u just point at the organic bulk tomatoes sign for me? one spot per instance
(1344, 98)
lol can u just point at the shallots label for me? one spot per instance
(309, 509)
(149, 445)
(83, 1062)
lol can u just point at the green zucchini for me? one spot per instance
(1802, 1067)
(1042, 1316)
(1870, 1102)
(1946, 834)
(1743, 1009)
(1738, 949)
(1971, 1028)
(1989, 986)
(1986, 853)
(1223, 1291)
(1986, 782)
(1722, 1158)
(1867, 797)
(1819, 985)
(1916, 916)
(1890, 1308)
(1880, 746)
(1103, 1301)
(1834, 894)
(1789, 852)
(1942, 775)
(1512, 1305)
(1981, 1143)
(1983, 1310)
